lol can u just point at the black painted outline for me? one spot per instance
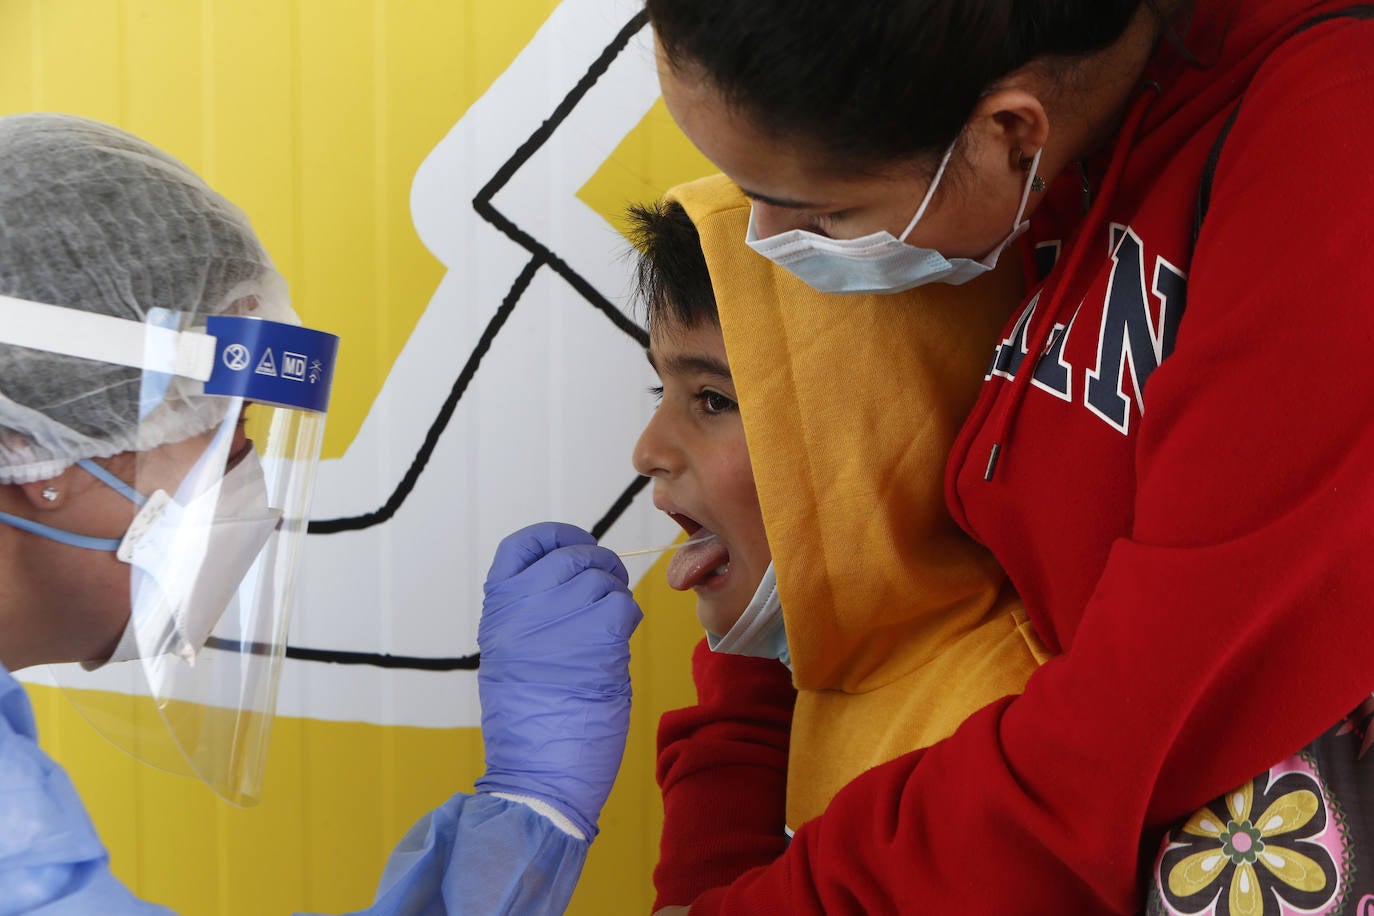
(540, 256)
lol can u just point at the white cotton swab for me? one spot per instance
(646, 551)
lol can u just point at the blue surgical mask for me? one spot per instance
(881, 262)
(759, 632)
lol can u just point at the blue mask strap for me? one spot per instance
(113, 482)
(80, 540)
(57, 534)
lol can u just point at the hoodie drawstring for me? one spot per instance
(1047, 310)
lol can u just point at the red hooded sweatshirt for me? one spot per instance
(1183, 494)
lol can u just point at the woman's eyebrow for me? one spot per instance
(781, 201)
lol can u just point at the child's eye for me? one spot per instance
(656, 392)
(713, 402)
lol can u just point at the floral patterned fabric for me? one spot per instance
(1297, 839)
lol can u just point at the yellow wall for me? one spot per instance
(313, 115)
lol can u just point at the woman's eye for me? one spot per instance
(713, 402)
(823, 223)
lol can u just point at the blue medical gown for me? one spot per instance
(474, 854)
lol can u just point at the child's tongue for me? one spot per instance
(695, 562)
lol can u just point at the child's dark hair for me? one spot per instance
(671, 278)
(873, 82)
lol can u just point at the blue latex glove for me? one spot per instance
(554, 680)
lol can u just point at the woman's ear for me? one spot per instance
(1013, 122)
(47, 495)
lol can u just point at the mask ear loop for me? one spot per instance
(111, 481)
(940, 173)
(1032, 176)
(930, 192)
(84, 541)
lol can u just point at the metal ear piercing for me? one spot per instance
(50, 494)
(1024, 163)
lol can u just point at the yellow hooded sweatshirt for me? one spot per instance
(898, 624)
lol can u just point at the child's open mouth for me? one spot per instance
(697, 564)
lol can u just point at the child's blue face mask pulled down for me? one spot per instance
(881, 262)
(760, 631)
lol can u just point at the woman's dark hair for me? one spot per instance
(671, 278)
(870, 82)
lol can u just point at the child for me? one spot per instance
(694, 445)
(845, 481)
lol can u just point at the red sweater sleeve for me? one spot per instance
(1228, 630)
(722, 766)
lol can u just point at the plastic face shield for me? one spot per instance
(216, 523)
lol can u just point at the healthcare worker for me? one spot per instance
(1169, 452)
(161, 416)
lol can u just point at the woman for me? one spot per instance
(1178, 497)
(153, 496)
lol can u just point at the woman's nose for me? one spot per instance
(770, 220)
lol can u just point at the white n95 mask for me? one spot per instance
(189, 555)
(880, 262)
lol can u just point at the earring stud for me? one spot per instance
(49, 493)
(1038, 185)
